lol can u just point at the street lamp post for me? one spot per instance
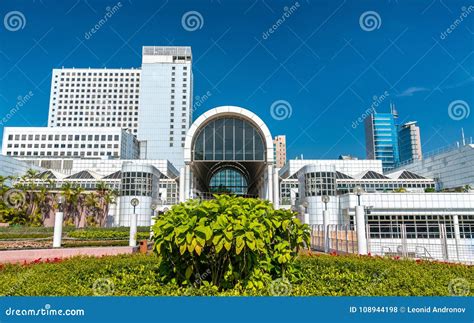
(325, 199)
(58, 222)
(360, 223)
(133, 223)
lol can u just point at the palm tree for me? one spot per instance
(106, 196)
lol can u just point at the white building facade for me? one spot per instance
(165, 111)
(92, 97)
(78, 142)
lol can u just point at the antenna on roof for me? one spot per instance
(463, 138)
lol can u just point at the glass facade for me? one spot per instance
(382, 139)
(320, 183)
(228, 180)
(229, 139)
(137, 184)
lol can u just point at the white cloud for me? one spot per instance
(412, 90)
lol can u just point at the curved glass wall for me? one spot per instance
(228, 180)
(320, 183)
(137, 184)
(229, 139)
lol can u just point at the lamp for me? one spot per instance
(325, 199)
(358, 190)
(134, 202)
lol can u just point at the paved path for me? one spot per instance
(20, 256)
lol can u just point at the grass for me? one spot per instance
(321, 275)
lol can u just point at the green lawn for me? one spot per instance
(321, 275)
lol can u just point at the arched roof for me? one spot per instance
(231, 111)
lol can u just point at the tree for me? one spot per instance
(106, 196)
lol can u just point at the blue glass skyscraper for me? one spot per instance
(381, 136)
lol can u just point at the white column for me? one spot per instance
(360, 230)
(276, 189)
(133, 230)
(181, 184)
(326, 231)
(58, 229)
(270, 183)
(187, 179)
(457, 234)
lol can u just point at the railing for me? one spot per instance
(340, 239)
(416, 241)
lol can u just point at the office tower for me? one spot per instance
(279, 148)
(165, 109)
(72, 142)
(86, 97)
(409, 142)
(381, 137)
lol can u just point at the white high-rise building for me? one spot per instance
(86, 97)
(75, 142)
(165, 109)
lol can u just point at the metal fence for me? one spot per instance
(427, 241)
(340, 239)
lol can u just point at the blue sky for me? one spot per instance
(323, 59)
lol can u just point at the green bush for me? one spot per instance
(133, 275)
(227, 241)
(105, 234)
(117, 233)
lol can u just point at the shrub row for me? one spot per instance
(71, 232)
(322, 276)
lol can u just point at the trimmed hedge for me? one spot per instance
(117, 233)
(322, 276)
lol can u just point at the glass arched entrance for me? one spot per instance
(228, 180)
(228, 149)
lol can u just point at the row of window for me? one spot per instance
(64, 153)
(65, 137)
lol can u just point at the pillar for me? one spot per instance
(360, 230)
(326, 231)
(457, 234)
(133, 230)
(58, 229)
(270, 183)
(187, 182)
(181, 184)
(276, 189)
